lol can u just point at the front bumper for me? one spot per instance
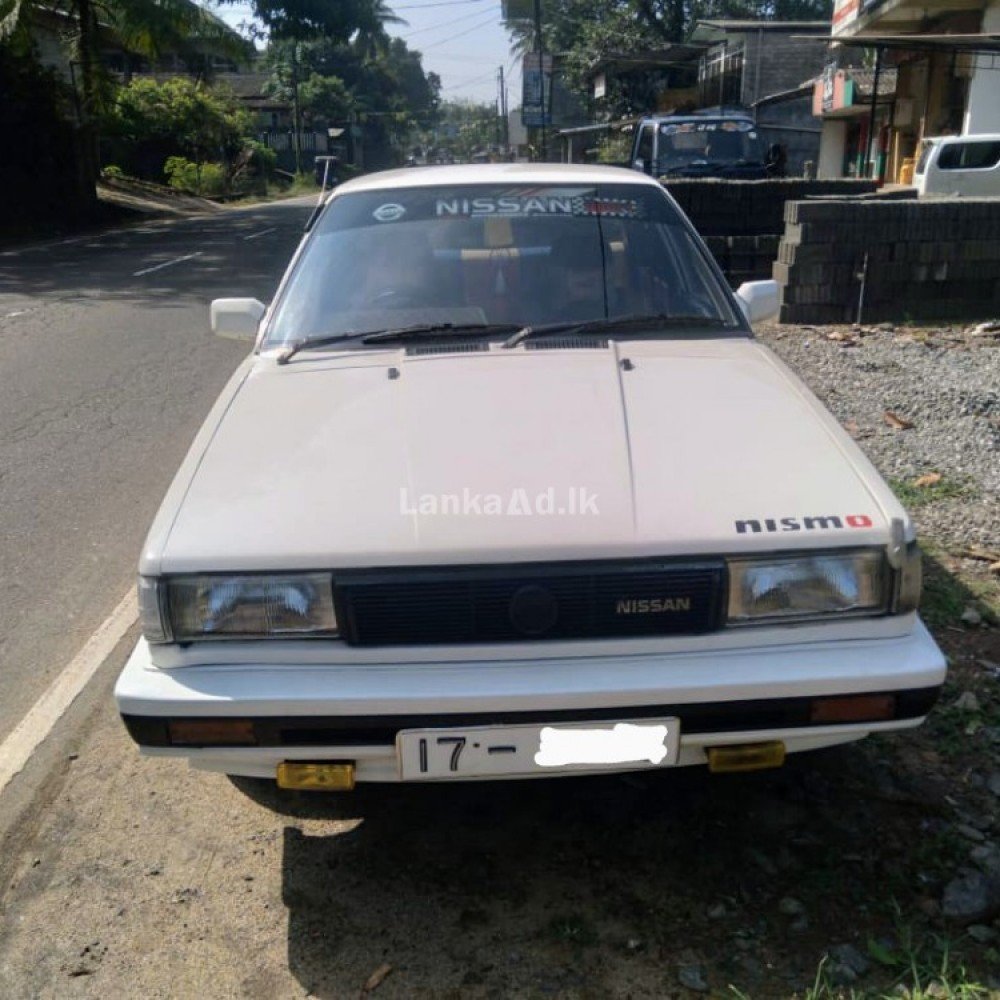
(352, 712)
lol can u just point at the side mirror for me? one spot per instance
(237, 319)
(639, 164)
(760, 300)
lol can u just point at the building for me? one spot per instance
(946, 54)
(664, 79)
(842, 99)
(218, 49)
(766, 66)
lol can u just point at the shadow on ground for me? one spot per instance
(229, 259)
(634, 885)
(598, 886)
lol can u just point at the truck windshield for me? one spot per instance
(493, 255)
(711, 142)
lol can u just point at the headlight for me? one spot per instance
(800, 587)
(240, 607)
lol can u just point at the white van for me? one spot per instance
(964, 165)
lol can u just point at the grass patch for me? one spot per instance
(572, 929)
(920, 966)
(912, 496)
(947, 591)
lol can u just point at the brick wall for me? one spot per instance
(742, 221)
(925, 260)
(775, 62)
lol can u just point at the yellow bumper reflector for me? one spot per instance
(325, 777)
(746, 757)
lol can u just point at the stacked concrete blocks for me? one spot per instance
(926, 260)
(742, 221)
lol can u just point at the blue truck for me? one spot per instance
(702, 144)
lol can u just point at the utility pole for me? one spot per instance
(296, 110)
(871, 169)
(503, 112)
(540, 49)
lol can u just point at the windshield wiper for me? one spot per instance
(398, 333)
(433, 329)
(614, 324)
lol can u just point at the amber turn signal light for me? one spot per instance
(211, 732)
(853, 708)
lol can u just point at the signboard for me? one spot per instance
(829, 76)
(845, 12)
(536, 78)
(600, 86)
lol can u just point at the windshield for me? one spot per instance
(720, 141)
(492, 255)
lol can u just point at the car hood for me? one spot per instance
(648, 448)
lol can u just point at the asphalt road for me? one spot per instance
(107, 369)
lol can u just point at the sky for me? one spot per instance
(462, 41)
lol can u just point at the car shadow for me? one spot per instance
(589, 886)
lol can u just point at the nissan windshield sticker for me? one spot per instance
(390, 212)
(522, 206)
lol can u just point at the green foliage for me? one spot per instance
(207, 179)
(912, 496)
(462, 129)
(326, 98)
(614, 149)
(337, 20)
(381, 86)
(112, 172)
(260, 158)
(152, 121)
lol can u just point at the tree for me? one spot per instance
(326, 99)
(463, 129)
(146, 27)
(385, 90)
(153, 121)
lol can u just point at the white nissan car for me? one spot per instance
(506, 488)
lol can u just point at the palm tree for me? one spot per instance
(373, 17)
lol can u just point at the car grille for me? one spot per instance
(530, 602)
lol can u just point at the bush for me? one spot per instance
(614, 149)
(262, 159)
(177, 118)
(112, 173)
(206, 179)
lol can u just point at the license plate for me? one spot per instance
(485, 751)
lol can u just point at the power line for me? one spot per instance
(466, 83)
(435, 3)
(491, 18)
(442, 24)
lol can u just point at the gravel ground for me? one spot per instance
(946, 383)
